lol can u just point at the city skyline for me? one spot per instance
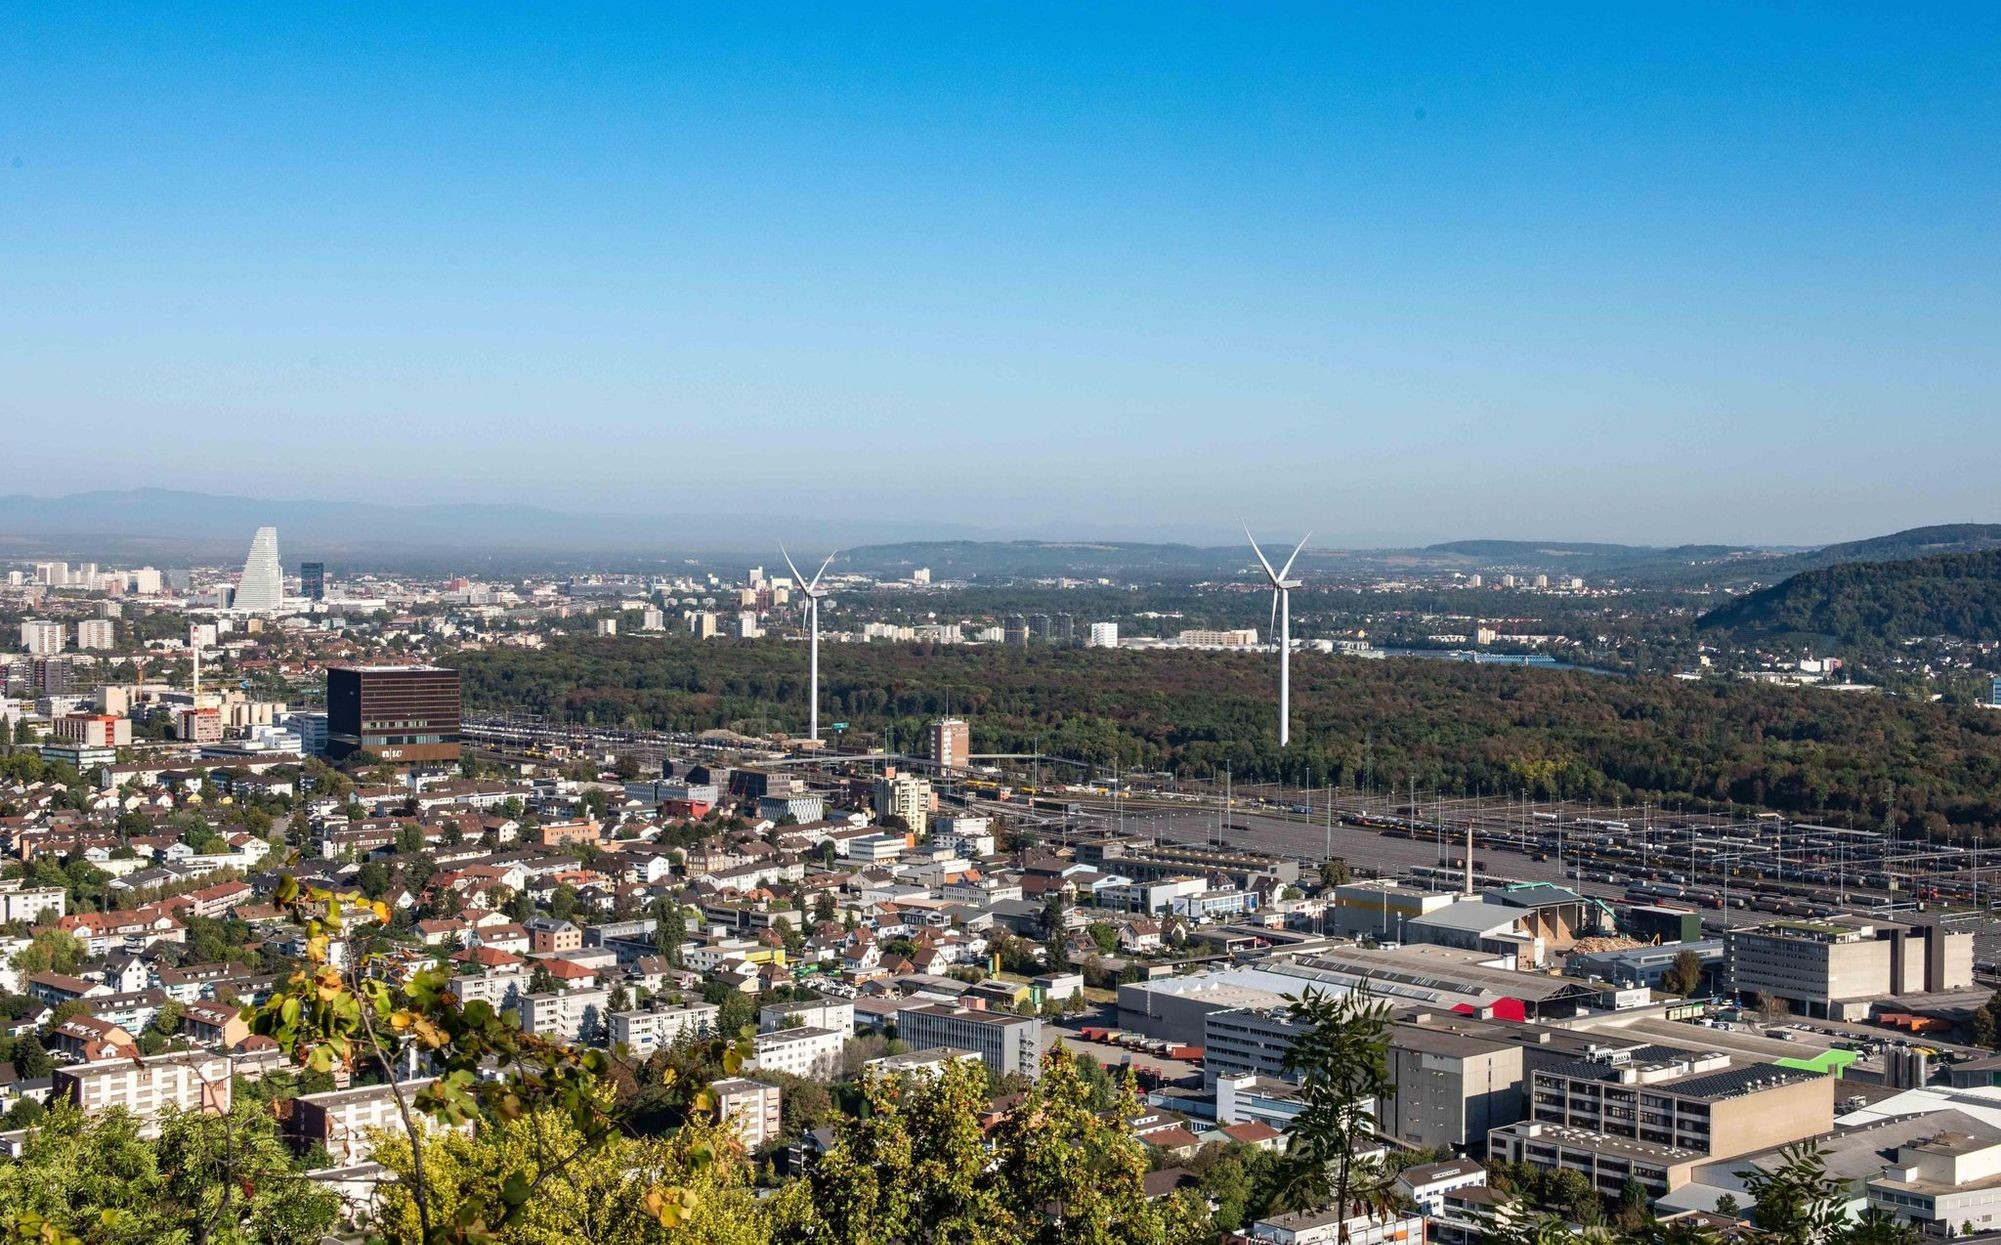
(1716, 275)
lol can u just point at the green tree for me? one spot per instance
(1340, 1056)
(1684, 976)
(231, 1178)
(1104, 935)
(670, 929)
(50, 950)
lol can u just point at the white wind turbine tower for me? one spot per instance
(1281, 611)
(812, 592)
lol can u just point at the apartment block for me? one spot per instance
(811, 1053)
(188, 1080)
(342, 1119)
(645, 1030)
(566, 1015)
(28, 903)
(906, 796)
(42, 638)
(951, 743)
(753, 1108)
(821, 1013)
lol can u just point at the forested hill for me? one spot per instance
(1449, 726)
(1873, 603)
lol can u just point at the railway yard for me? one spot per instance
(1733, 869)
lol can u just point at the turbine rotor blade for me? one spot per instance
(1262, 560)
(823, 569)
(1295, 555)
(1274, 608)
(797, 578)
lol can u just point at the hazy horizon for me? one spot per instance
(1707, 275)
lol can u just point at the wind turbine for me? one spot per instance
(812, 592)
(1281, 612)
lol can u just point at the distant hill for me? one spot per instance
(170, 522)
(1876, 602)
(1917, 542)
(1029, 559)
(1578, 557)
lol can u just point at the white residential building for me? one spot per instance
(576, 1016)
(42, 638)
(906, 796)
(754, 1108)
(837, 1015)
(26, 903)
(188, 1080)
(646, 1030)
(811, 1053)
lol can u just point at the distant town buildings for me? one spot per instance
(1243, 637)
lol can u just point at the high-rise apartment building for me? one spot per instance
(906, 796)
(313, 581)
(951, 743)
(96, 633)
(1016, 629)
(1102, 635)
(262, 585)
(199, 725)
(50, 676)
(753, 1108)
(41, 637)
(398, 713)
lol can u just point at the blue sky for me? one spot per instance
(1689, 273)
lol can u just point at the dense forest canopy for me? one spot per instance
(1874, 603)
(1448, 726)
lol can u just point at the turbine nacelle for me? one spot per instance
(811, 590)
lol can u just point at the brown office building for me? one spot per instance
(398, 713)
